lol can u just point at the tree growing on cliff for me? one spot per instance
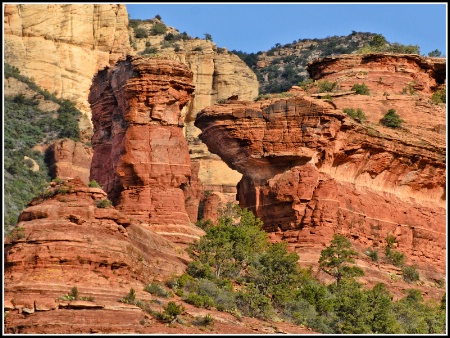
(338, 258)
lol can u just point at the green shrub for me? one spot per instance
(94, 184)
(205, 320)
(395, 257)
(157, 290)
(326, 86)
(105, 203)
(158, 29)
(361, 89)
(198, 49)
(357, 115)
(173, 310)
(391, 119)
(140, 33)
(373, 254)
(150, 50)
(199, 301)
(410, 274)
(439, 96)
(130, 297)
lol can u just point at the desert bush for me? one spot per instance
(158, 29)
(410, 274)
(105, 203)
(358, 115)
(391, 119)
(157, 290)
(205, 320)
(373, 254)
(140, 33)
(150, 50)
(361, 89)
(439, 96)
(94, 184)
(326, 86)
(129, 298)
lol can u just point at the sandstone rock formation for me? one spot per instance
(62, 46)
(141, 157)
(309, 170)
(69, 159)
(217, 76)
(66, 240)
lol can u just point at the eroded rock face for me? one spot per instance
(66, 240)
(69, 159)
(310, 171)
(62, 46)
(141, 157)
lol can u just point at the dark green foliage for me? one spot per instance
(335, 259)
(199, 300)
(140, 33)
(378, 41)
(357, 115)
(172, 310)
(361, 89)
(410, 274)
(288, 70)
(435, 53)
(208, 37)
(229, 247)
(254, 304)
(25, 126)
(158, 29)
(198, 49)
(157, 16)
(391, 119)
(351, 308)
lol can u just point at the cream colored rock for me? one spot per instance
(61, 46)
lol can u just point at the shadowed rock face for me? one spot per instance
(141, 157)
(310, 171)
(69, 159)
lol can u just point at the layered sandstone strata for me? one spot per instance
(62, 46)
(65, 240)
(309, 170)
(141, 157)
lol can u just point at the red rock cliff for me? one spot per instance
(66, 240)
(310, 171)
(141, 157)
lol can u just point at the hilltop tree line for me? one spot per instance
(287, 66)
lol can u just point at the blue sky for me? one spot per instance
(258, 27)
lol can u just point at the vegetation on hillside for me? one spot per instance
(235, 268)
(26, 126)
(286, 63)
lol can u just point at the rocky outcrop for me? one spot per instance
(141, 157)
(62, 46)
(309, 170)
(217, 76)
(66, 239)
(69, 159)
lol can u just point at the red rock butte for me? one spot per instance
(310, 171)
(141, 158)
